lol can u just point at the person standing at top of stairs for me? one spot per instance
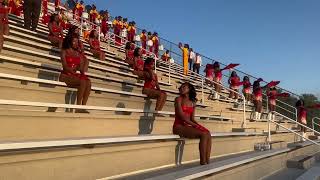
(185, 57)
(31, 10)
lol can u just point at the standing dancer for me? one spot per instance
(4, 25)
(247, 88)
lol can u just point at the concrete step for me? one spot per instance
(301, 162)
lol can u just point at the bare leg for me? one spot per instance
(163, 100)
(86, 92)
(209, 142)
(190, 132)
(155, 94)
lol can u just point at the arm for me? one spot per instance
(180, 114)
(157, 84)
(64, 63)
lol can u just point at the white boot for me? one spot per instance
(303, 136)
(273, 117)
(269, 116)
(259, 116)
(255, 115)
(215, 95)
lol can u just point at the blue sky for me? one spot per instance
(272, 39)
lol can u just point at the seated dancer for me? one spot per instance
(95, 45)
(138, 63)
(185, 125)
(234, 82)
(72, 62)
(151, 87)
(75, 32)
(129, 48)
(4, 22)
(166, 56)
(247, 88)
(55, 31)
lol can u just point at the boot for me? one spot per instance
(259, 116)
(215, 95)
(269, 116)
(255, 116)
(273, 117)
(303, 136)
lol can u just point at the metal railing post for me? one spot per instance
(169, 72)
(99, 31)
(81, 25)
(269, 131)
(244, 124)
(202, 93)
(313, 123)
(155, 64)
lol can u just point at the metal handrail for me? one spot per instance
(300, 124)
(290, 130)
(313, 123)
(243, 125)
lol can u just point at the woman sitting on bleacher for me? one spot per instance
(72, 62)
(129, 53)
(138, 63)
(75, 32)
(151, 87)
(185, 124)
(4, 25)
(55, 31)
(95, 45)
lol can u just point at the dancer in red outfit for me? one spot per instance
(72, 62)
(55, 31)
(75, 32)
(151, 87)
(105, 26)
(234, 82)
(57, 3)
(247, 88)
(185, 124)
(138, 63)
(4, 22)
(15, 7)
(272, 99)
(257, 100)
(45, 15)
(95, 46)
(218, 77)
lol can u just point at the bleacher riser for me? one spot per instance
(105, 161)
(44, 125)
